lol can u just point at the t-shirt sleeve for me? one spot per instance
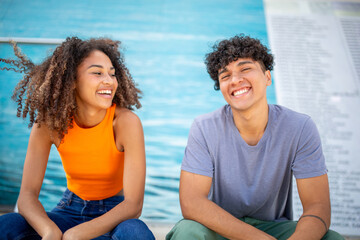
(197, 158)
(309, 160)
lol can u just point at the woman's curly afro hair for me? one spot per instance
(229, 50)
(47, 91)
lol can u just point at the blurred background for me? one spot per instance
(164, 43)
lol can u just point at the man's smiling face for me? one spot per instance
(243, 83)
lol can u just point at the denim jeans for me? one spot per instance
(71, 211)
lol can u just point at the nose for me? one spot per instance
(107, 79)
(236, 78)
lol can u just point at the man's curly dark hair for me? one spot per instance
(230, 50)
(47, 91)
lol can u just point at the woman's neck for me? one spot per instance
(87, 118)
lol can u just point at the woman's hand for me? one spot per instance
(54, 234)
(74, 234)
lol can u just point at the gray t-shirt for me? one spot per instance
(254, 181)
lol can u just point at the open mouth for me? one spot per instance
(240, 92)
(105, 92)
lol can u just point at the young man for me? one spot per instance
(236, 178)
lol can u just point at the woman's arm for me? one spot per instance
(33, 174)
(129, 136)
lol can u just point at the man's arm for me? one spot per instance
(315, 198)
(194, 189)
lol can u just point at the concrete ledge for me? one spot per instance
(6, 209)
(160, 229)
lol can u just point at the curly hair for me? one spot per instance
(47, 91)
(229, 50)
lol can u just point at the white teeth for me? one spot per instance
(104, 92)
(241, 91)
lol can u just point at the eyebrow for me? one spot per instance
(99, 66)
(239, 64)
(222, 71)
(244, 62)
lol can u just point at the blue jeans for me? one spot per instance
(71, 211)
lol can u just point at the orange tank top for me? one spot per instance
(93, 165)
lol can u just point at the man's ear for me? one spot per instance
(268, 78)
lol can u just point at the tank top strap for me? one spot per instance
(110, 113)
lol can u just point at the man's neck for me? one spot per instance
(252, 123)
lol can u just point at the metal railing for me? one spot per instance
(50, 41)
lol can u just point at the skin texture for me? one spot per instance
(249, 81)
(93, 74)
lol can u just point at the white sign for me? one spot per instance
(317, 54)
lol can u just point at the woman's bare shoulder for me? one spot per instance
(125, 117)
(41, 131)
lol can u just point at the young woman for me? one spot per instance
(80, 99)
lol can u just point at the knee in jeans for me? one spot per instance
(131, 224)
(132, 229)
(13, 225)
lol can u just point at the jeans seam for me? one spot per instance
(69, 198)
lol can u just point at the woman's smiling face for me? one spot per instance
(96, 81)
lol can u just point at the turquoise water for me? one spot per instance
(165, 43)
